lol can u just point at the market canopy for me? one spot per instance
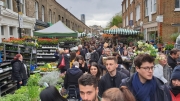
(121, 31)
(58, 29)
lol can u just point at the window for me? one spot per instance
(137, 12)
(54, 17)
(11, 30)
(36, 9)
(22, 6)
(131, 1)
(131, 16)
(177, 3)
(50, 16)
(8, 4)
(59, 17)
(126, 4)
(2, 30)
(146, 7)
(127, 21)
(62, 19)
(123, 8)
(43, 13)
(154, 8)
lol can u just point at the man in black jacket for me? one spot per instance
(143, 85)
(174, 54)
(112, 78)
(94, 55)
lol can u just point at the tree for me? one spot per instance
(116, 20)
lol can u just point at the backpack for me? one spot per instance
(62, 64)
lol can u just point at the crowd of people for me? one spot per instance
(102, 72)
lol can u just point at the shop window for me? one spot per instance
(11, 30)
(36, 9)
(2, 30)
(43, 13)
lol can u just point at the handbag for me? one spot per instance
(62, 64)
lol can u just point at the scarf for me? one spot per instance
(144, 92)
(175, 90)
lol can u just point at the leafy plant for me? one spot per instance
(14, 97)
(174, 36)
(169, 46)
(33, 80)
(51, 78)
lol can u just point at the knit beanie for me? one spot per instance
(176, 73)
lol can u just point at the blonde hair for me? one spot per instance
(61, 51)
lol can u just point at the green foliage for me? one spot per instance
(130, 39)
(159, 40)
(116, 20)
(174, 36)
(33, 80)
(15, 97)
(169, 46)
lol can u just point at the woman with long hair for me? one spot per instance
(95, 70)
(72, 58)
(51, 94)
(20, 72)
(82, 63)
(118, 94)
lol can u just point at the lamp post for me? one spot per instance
(19, 11)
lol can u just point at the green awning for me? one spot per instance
(121, 31)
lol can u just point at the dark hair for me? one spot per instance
(119, 58)
(112, 58)
(17, 56)
(98, 72)
(72, 56)
(174, 51)
(88, 79)
(51, 94)
(116, 94)
(143, 58)
(79, 57)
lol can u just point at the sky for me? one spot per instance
(97, 12)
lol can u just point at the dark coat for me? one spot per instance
(100, 62)
(94, 57)
(171, 62)
(106, 81)
(162, 92)
(84, 69)
(19, 72)
(66, 59)
(72, 76)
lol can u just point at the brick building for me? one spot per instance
(152, 17)
(49, 11)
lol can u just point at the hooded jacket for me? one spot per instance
(72, 76)
(19, 72)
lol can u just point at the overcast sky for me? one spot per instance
(97, 12)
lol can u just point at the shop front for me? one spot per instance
(150, 31)
(9, 24)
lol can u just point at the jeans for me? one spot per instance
(23, 83)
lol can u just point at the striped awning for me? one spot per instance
(121, 31)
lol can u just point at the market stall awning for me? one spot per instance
(58, 29)
(121, 31)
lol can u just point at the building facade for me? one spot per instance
(154, 18)
(9, 22)
(49, 11)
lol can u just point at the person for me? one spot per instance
(72, 58)
(143, 85)
(94, 57)
(66, 60)
(56, 54)
(80, 51)
(175, 84)
(118, 94)
(20, 72)
(101, 61)
(174, 54)
(88, 87)
(162, 70)
(112, 78)
(51, 94)
(121, 67)
(82, 64)
(95, 70)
